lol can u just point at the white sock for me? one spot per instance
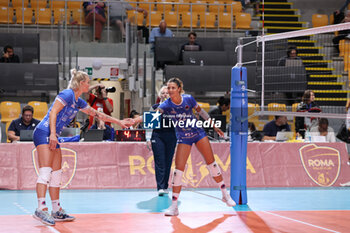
(175, 198)
(56, 205)
(41, 203)
(222, 187)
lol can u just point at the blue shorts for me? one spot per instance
(42, 137)
(194, 138)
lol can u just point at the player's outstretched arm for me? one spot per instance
(125, 123)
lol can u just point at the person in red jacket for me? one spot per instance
(99, 100)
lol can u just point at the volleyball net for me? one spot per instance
(281, 67)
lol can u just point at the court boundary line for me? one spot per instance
(52, 229)
(295, 220)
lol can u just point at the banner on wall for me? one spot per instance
(130, 165)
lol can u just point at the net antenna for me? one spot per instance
(274, 78)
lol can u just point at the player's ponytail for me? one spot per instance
(77, 77)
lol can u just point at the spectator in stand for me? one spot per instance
(161, 31)
(274, 126)
(224, 104)
(253, 134)
(323, 130)
(95, 14)
(99, 100)
(118, 17)
(25, 122)
(307, 104)
(191, 44)
(8, 55)
(292, 53)
(345, 34)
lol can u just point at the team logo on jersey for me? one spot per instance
(321, 163)
(151, 120)
(69, 165)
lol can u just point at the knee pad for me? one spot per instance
(44, 175)
(56, 177)
(214, 169)
(177, 178)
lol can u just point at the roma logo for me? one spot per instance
(196, 172)
(321, 163)
(69, 165)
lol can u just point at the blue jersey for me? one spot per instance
(182, 112)
(67, 114)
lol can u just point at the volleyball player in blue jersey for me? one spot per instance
(179, 107)
(62, 111)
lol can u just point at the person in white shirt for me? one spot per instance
(323, 130)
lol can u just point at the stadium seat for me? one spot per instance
(346, 61)
(76, 16)
(319, 20)
(225, 20)
(6, 14)
(201, 7)
(276, 107)
(186, 19)
(204, 106)
(58, 4)
(145, 4)
(35, 4)
(243, 20)
(9, 110)
(6, 130)
(59, 15)
(331, 19)
(74, 5)
(251, 109)
(236, 7)
(344, 47)
(156, 17)
(208, 20)
(171, 19)
(16, 3)
(182, 8)
(136, 17)
(166, 7)
(222, 8)
(29, 15)
(227, 114)
(45, 16)
(294, 107)
(40, 109)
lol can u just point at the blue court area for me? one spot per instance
(191, 200)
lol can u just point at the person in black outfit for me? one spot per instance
(307, 104)
(25, 122)
(163, 146)
(345, 34)
(274, 126)
(108, 131)
(191, 41)
(8, 55)
(224, 104)
(253, 134)
(292, 53)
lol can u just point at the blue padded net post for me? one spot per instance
(239, 135)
